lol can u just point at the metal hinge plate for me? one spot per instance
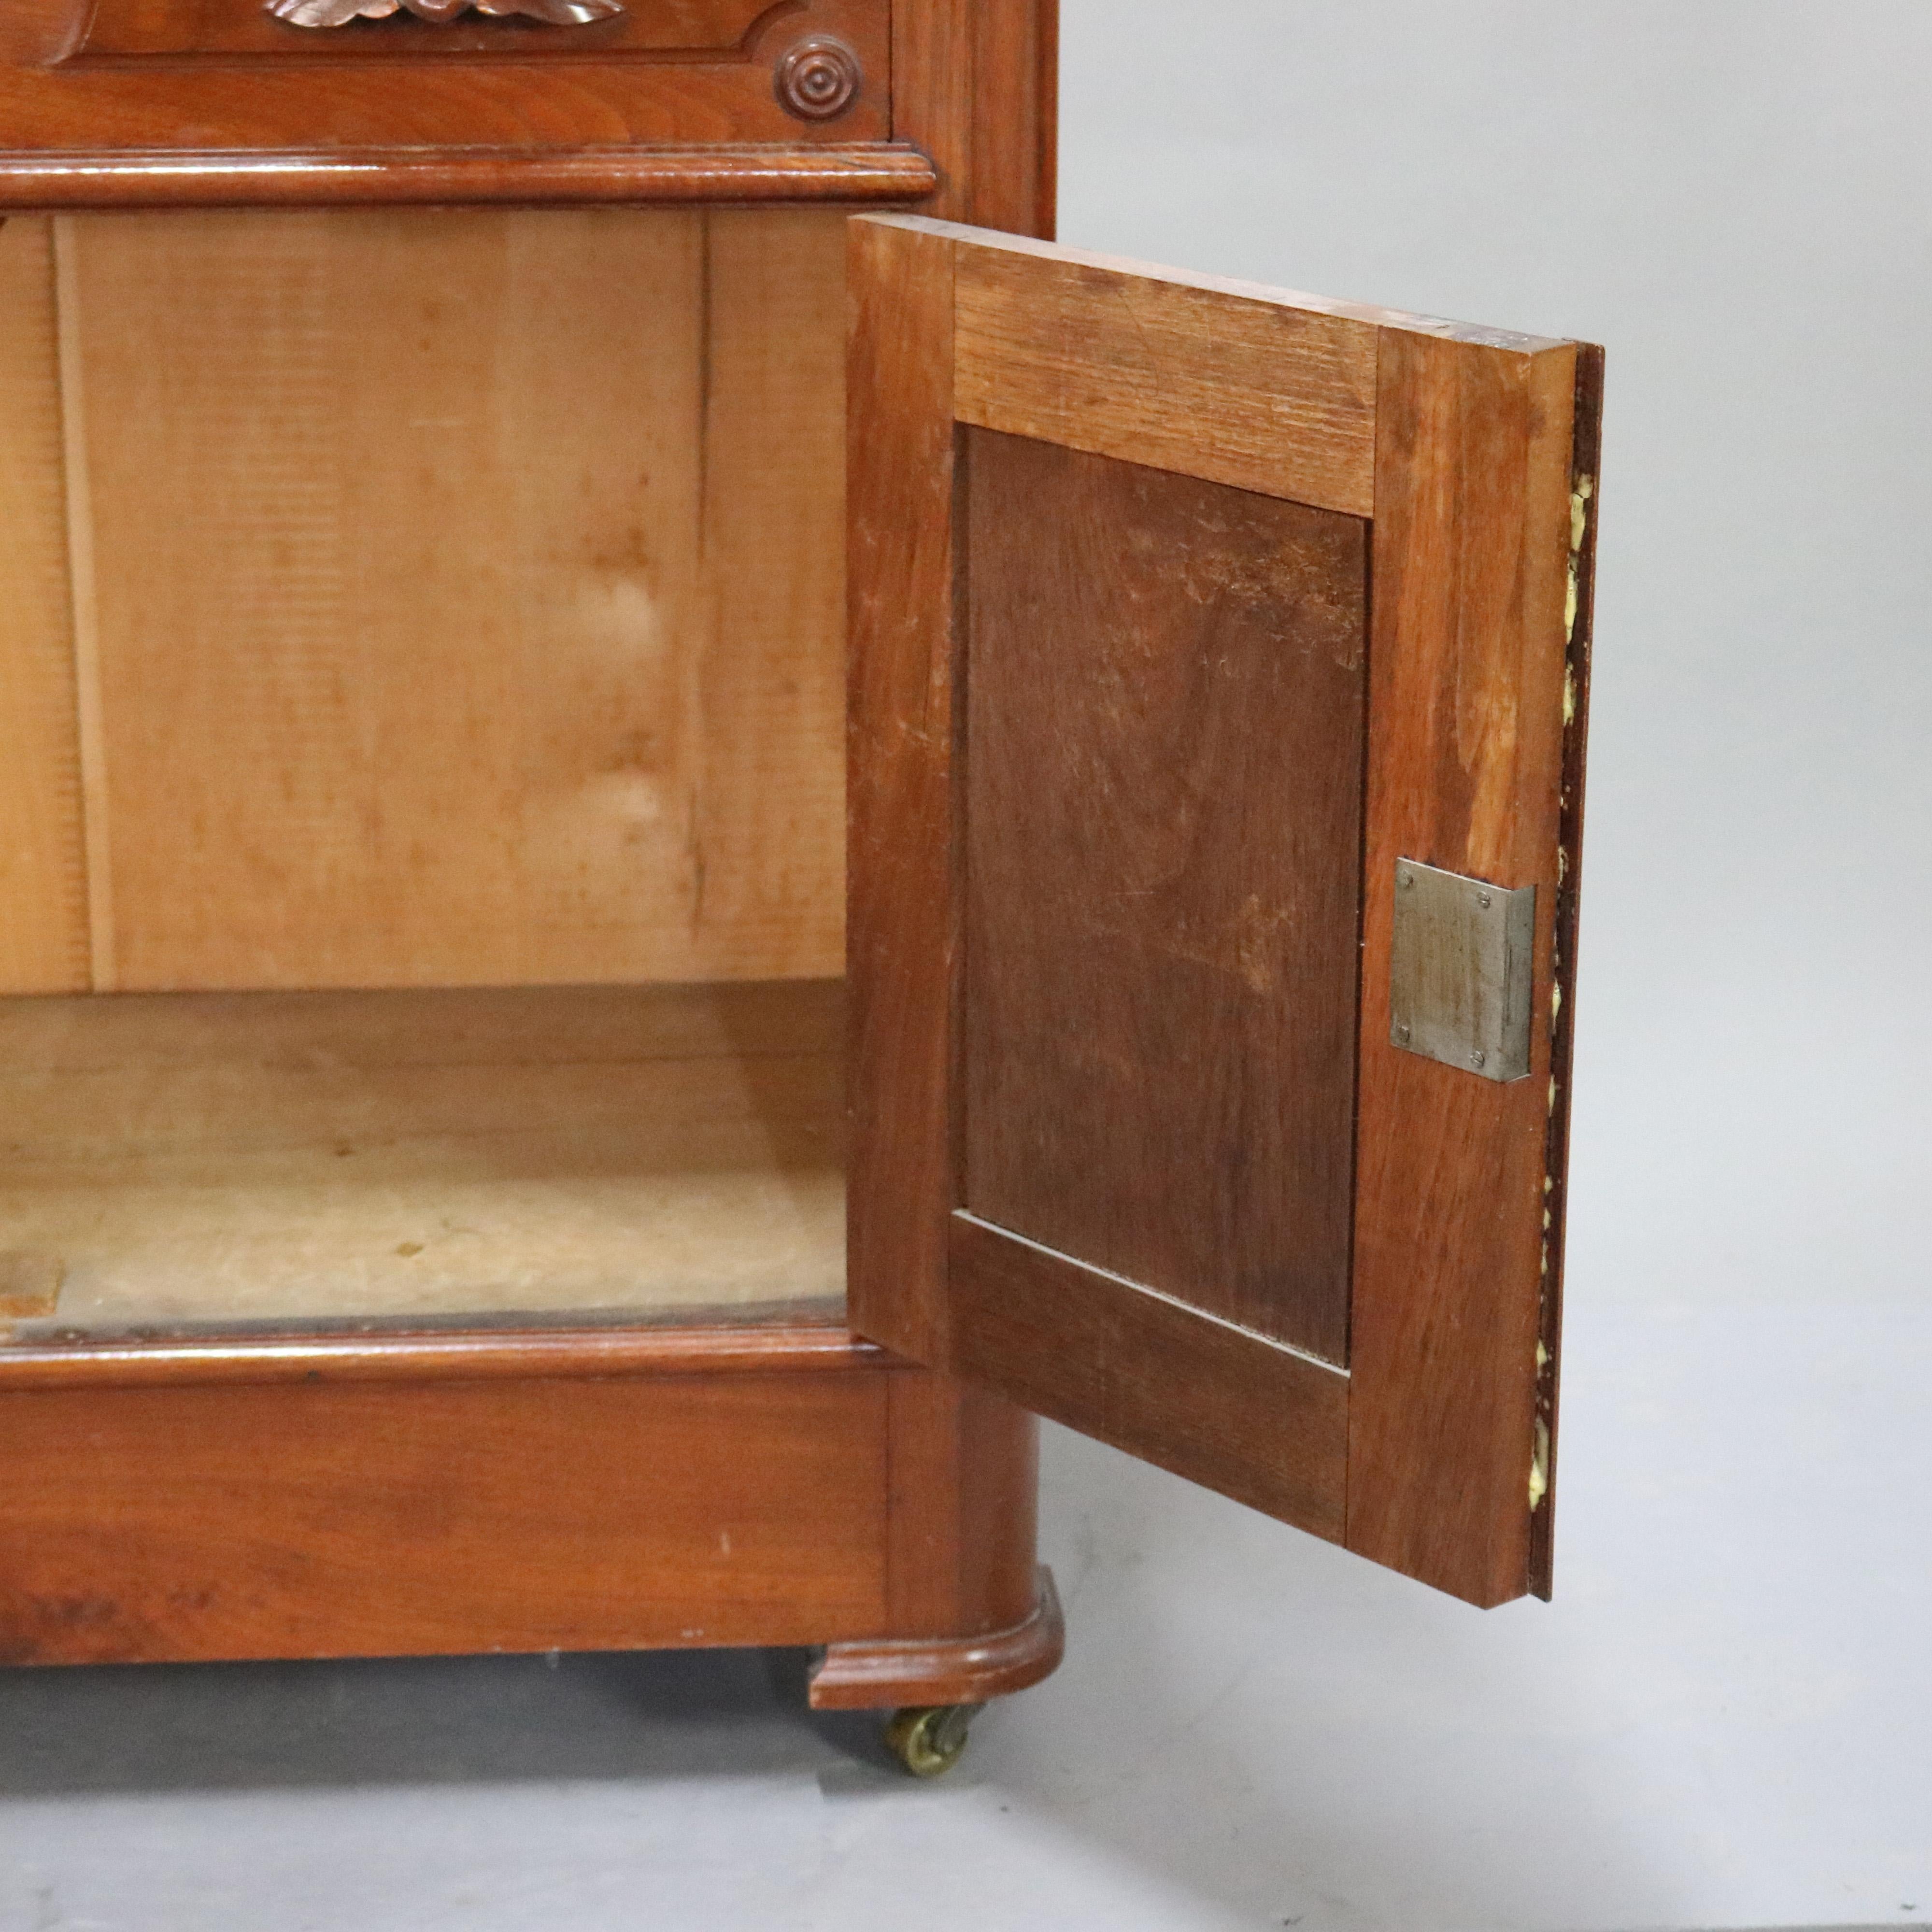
(1459, 974)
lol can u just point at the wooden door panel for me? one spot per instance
(1264, 1424)
(1132, 1140)
(1162, 819)
(1264, 396)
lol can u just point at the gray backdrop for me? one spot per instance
(1727, 1717)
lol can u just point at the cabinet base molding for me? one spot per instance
(714, 1486)
(899, 1671)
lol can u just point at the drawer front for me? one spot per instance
(94, 75)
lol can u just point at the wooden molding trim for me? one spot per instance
(370, 177)
(339, 13)
(864, 1676)
(471, 1355)
(181, 1525)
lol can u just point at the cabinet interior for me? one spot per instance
(422, 789)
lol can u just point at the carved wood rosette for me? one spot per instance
(339, 13)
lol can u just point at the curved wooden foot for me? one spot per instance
(929, 1672)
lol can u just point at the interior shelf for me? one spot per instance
(178, 1160)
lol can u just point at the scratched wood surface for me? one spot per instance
(387, 1518)
(1470, 431)
(1214, 1403)
(901, 944)
(432, 645)
(1264, 395)
(43, 919)
(1465, 759)
(1162, 818)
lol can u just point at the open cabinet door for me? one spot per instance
(1218, 666)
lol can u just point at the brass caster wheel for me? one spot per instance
(928, 1739)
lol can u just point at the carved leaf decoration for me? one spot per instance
(339, 13)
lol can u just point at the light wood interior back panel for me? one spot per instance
(434, 646)
(44, 922)
(770, 829)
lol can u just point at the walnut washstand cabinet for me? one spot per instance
(667, 857)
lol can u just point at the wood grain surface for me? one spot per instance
(43, 918)
(902, 942)
(1163, 823)
(1465, 752)
(964, 1471)
(914, 1672)
(239, 1158)
(372, 177)
(391, 1519)
(796, 1338)
(465, 595)
(1470, 429)
(768, 814)
(975, 86)
(1266, 396)
(613, 1487)
(519, 91)
(1210, 1402)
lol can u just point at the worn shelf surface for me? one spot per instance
(188, 1159)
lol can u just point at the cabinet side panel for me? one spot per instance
(902, 943)
(1015, 79)
(43, 917)
(964, 1502)
(1163, 813)
(1465, 752)
(975, 86)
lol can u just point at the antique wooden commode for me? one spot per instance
(638, 913)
